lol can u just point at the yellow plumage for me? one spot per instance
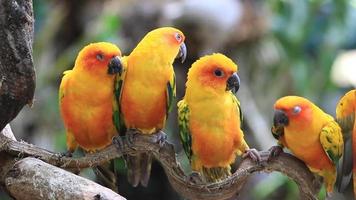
(210, 118)
(312, 135)
(146, 92)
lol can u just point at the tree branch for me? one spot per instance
(39, 180)
(285, 163)
(17, 74)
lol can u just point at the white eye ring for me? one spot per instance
(297, 109)
(178, 37)
(100, 56)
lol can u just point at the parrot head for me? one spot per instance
(100, 58)
(347, 104)
(215, 71)
(291, 110)
(167, 41)
(345, 111)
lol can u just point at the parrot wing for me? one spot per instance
(277, 132)
(170, 93)
(63, 84)
(71, 143)
(119, 83)
(237, 103)
(108, 173)
(346, 123)
(331, 141)
(183, 123)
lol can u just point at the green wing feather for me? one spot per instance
(332, 141)
(237, 103)
(346, 123)
(184, 133)
(277, 132)
(117, 114)
(171, 94)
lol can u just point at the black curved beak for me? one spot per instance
(233, 83)
(280, 119)
(115, 66)
(182, 54)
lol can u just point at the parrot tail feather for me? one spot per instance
(106, 176)
(146, 162)
(139, 169)
(216, 174)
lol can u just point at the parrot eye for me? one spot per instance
(218, 73)
(100, 56)
(178, 37)
(297, 110)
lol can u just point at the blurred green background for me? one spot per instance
(282, 47)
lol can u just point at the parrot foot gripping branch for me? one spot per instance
(131, 135)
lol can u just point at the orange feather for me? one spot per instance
(86, 98)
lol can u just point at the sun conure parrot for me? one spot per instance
(86, 97)
(146, 90)
(345, 116)
(210, 118)
(311, 135)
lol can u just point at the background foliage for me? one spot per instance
(282, 48)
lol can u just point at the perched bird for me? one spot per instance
(146, 90)
(210, 117)
(311, 135)
(345, 116)
(86, 97)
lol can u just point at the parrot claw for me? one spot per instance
(118, 142)
(160, 138)
(130, 137)
(253, 154)
(275, 151)
(66, 154)
(328, 195)
(195, 177)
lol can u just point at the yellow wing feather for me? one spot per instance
(332, 141)
(63, 84)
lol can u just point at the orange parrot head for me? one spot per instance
(345, 111)
(346, 105)
(100, 58)
(292, 111)
(168, 42)
(216, 72)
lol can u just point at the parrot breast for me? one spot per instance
(143, 99)
(215, 140)
(304, 141)
(87, 109)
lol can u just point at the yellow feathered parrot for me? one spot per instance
(86, 97)
(210, 118)
(345, 116)
(146, 90)
(311, 135)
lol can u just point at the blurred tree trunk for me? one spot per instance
(17, 74)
